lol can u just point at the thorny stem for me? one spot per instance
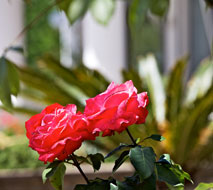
(79, 168)
(131, 137)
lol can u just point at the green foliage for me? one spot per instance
(102, 10)
(55, 173)
(187, 109)
(117, 149)
(19, 156)
(204, 186)
(96, 160)
(9, 82)
(77, 9)
(98, 183)
(143, 158)
(37, 40)
(159, 8)
(122, 158)
(156, 137)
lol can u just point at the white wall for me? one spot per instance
(176, 33)
(11, 23)
(104, 47)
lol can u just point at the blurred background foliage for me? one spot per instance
(180, 109)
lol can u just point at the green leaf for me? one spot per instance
(13, 78)
(165, 159)
(57, 179)
(96, 160)
(102, 10)
(166, 175)
(122, 158)
(137, 12)
(156, 137)
(99, 184)
(5, 90)
(138, 140)
(113, 187)
(159, 8)
(130, 183)
(175, 89)
(182, 175)
(143, 159)
(82, 159)
(88, 81)
(204, 186)
(125, 186)
(149, 183)
(50, 170)
(18, 49)
(117, 149)
(64, 5)
(77, 9)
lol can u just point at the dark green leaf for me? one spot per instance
(175, 89)
(159, 8)
(156, 137)
(18, 49)
(13, 78)
(88, 81)
(204, 186)
(143, 159)
(64, 5)
(137, 12)
(99, 184)
(166, 175)
(122, 158)
(130, 183)
(57, 179)
(148, 184)
(5, 91)
(77, 9)
(117, 149)
(102, 10)
(82, 159)
(96, 160)
(125, 186)
(165, 159)
(50, 170)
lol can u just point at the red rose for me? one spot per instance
(117, 108)
(57, 132)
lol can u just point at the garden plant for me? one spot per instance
(58, 131)
(179, 109)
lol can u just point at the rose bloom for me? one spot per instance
(117, 108)
(57, 132)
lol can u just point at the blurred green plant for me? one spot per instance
(19, 156)
(14, 153)
(36, 42)
(180, 112)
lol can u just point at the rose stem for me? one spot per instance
(131, 137)
(79, 168)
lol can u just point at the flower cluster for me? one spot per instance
(58, 131)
